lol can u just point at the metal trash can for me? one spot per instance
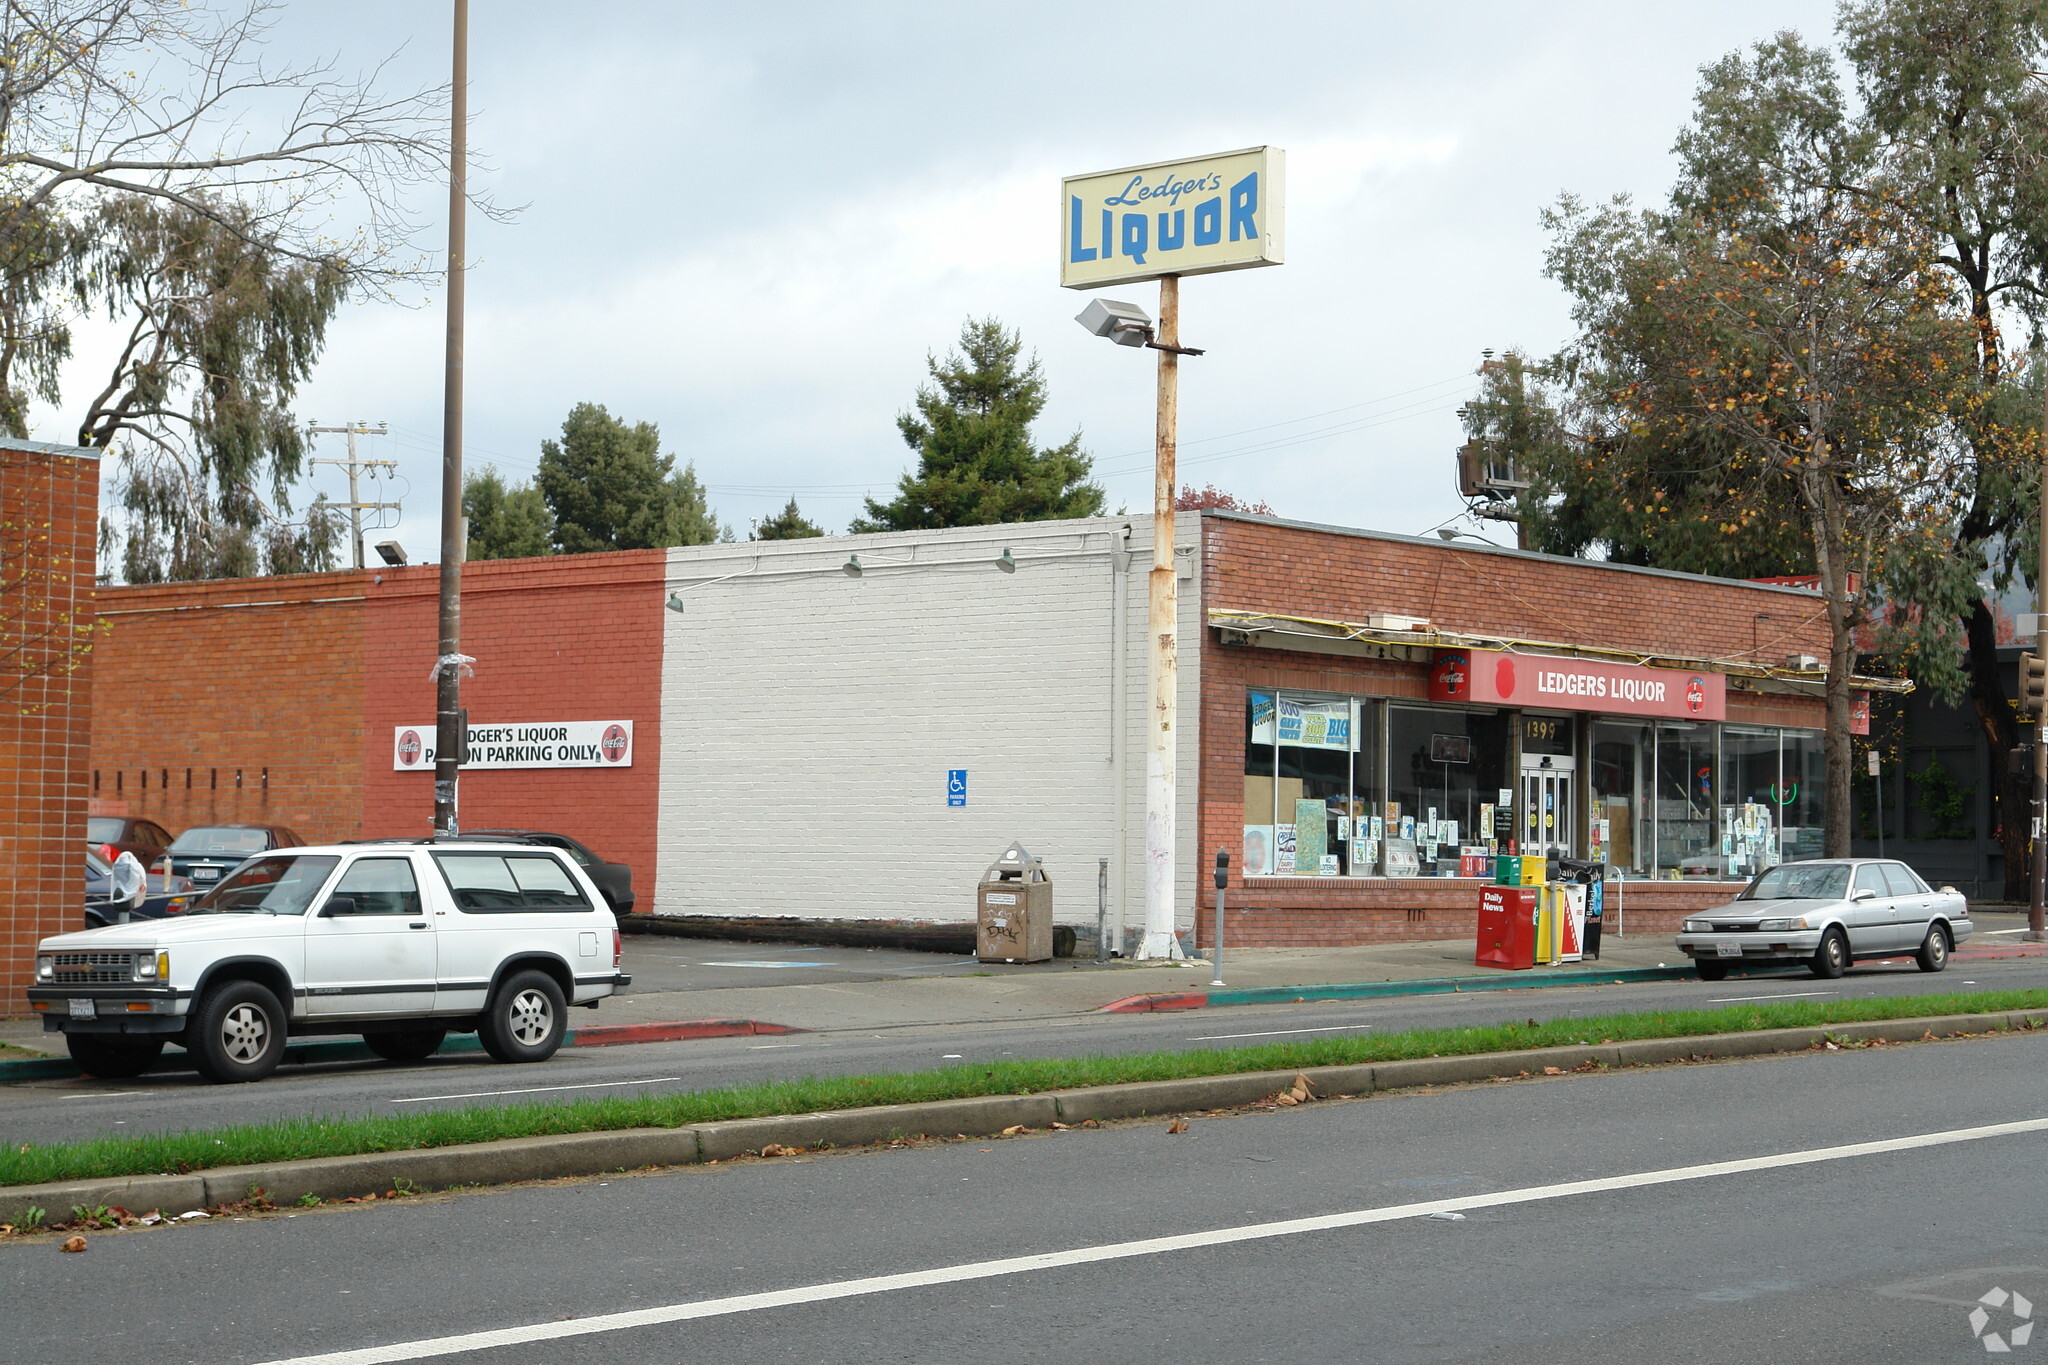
(1591, 874)
(1013, 920)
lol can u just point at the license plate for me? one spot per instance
(205, 874)
(83, 1009)
(1728, 949)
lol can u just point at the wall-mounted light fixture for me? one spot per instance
(852, 566)
(391, 552)
(675, 603)
(1006, 561)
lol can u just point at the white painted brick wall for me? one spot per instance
(809, 719)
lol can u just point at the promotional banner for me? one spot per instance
(1316, 724)
(525, 744)
(1489, 677)
(1192, 217)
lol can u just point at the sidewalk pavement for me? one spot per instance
(1064, 988)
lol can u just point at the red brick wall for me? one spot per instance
(232, 700)
(1256, 566)
(49, 519)
(572, 637)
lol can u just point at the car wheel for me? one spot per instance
(113, 1057)
(237, 1033)
(1933, 954)
(1831, 959)
(1711, 971)
(526, 1019)
(406, 1045)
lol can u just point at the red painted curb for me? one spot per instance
(1142, 1004)
(605, 1035)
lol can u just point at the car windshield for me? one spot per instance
(103, 829)
(217, 840)
(1800, 882)
(96, 866)
(283, 885)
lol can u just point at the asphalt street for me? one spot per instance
(53, 1110)
(1296, 1235)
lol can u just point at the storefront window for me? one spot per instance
(1750, 800)
(1443, 766)
(1687, 795)
(1620, 824)
(1800, 786)
(1259, 761)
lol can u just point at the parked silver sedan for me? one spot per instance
(1829, 913)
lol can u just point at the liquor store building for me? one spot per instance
(850, 729)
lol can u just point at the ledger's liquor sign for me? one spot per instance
(1490, 677)
(1192, 217)
(523, 744)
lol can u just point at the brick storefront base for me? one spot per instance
(1284, 913)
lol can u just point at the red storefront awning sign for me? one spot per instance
(1543, 682)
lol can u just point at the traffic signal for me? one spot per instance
(2033, 685)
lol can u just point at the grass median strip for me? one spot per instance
(292, 1139)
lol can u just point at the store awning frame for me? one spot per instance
(1419, 645)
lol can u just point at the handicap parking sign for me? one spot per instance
(956, 786)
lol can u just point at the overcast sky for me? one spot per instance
(748, 224)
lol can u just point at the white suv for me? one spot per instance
(399, 941)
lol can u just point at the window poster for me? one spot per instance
(1258, 850)
(1329, 864)
(1408, 828)
(1311, 835)
(1315, 724)
(1283, 848)
(1262, 717)
(1379, 829)
(1343, 829)
(1365, 856)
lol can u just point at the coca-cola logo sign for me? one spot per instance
(615, 743)
(409, 748)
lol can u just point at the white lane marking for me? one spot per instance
(2021, 930)
(1782, 995)
(108, 1095)
(762, 1047)
(429, 1347)
(533, 1090)
(1275, 1033)
(768, 964)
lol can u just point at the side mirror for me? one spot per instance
(339, 905)
(1862, 893)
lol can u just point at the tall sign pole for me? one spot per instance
(448, 665)
(1160, 222)
(1162, 644)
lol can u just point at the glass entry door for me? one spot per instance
(1546, 801)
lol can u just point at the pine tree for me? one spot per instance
(505, 522)
(788, 524)
(609, 487)
(972, 432)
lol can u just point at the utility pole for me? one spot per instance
(450, 737)
(356, 506)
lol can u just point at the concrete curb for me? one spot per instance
(300, 1054)
(580, 1154)
(1366, 990)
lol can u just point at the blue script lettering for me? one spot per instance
(1137, 191)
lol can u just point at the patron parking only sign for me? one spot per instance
(523, 744)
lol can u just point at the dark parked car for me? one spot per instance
(161, 895)
(207, 853)
(114, 835)
(614, 879)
